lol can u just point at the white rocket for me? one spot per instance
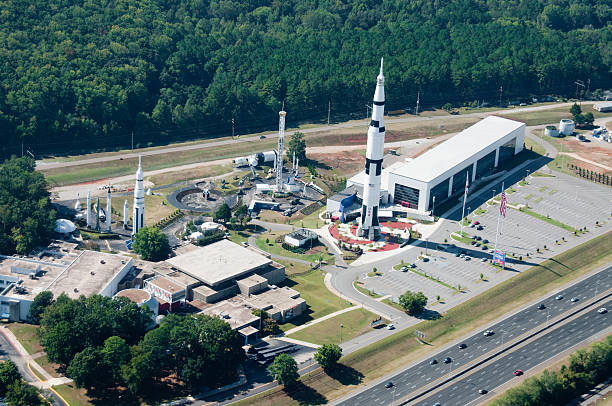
(139, 207)
(126, 214)
(108, 210)
(369, 227)
(89, 209)
(279, 153)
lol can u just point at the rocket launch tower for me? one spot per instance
(139, 207)
(369, 227)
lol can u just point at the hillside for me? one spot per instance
(81, 74)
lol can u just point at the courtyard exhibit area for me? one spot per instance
(389, 354)
(310, 284)
(272, 242)
(393, 234)
(338, 329)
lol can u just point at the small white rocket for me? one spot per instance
(139, 207)
(88, 209)
(369, 227)
(126, 214)
(108, 210)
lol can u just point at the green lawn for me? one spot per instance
(273, 248)
(391, 303)
(457, 237)
(72, 395)
(239, 236)
(47, 366)
(320, 301)
(27, 334)
(355, 323)
(310, 221)
(366, 291)
(548, 219)
(479, 211)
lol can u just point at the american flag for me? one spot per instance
(502, 204)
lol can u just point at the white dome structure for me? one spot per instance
(140, 297)
(64, 226)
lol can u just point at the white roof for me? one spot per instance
(218, 262)
(457, 149)
(64, 226)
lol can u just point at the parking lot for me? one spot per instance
(571, 201)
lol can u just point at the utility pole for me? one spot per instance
(132, 140)
(579, 83)
(418, 101)
(588, 87)
(501, 91)
(328, 111)
(232, 127)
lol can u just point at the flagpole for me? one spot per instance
(464, 198)
(497, 231)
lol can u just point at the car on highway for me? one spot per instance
(483, 391)
(462, 346)
(541, 306)
(433, 362)
(448, 360)
(574, 299)
(518, 372)
(559, 297)
(437, 404)
(602, 310)
(389, 385)
(488, 333)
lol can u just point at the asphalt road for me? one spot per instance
(422, 373)
(465, 391)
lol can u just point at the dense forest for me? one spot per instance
(82, 74)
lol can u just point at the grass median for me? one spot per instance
(548, 220)
(391, 353)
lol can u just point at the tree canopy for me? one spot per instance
(413, 302)
(41, 301)
(26, 216)
(328, 355)
(284, 369)
(151, 243)
(86, 74)
(297, 145)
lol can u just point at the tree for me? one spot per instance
(26, 216)
(43, 300)
(284, 369)
(88, 370)
(223, 213)
(8, 374)
(151, 243)
(413, 303)
(297, 145)
(328, 355)
(115, 354)
(588, 118)
(575, 111)
(22, 394)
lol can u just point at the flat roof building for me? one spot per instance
(441, 172)
(219, 262)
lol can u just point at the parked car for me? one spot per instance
(485, 241)
(262, 137)
(404, 269)
(390, 326)
(483, 260)
(467, 258)
(480, 228)
(477, 222)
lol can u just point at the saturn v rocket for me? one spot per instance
(139, 206)
(369, 227)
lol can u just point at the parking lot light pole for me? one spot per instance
(341, 327)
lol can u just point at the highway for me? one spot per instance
(422, 373)
(495, 374)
